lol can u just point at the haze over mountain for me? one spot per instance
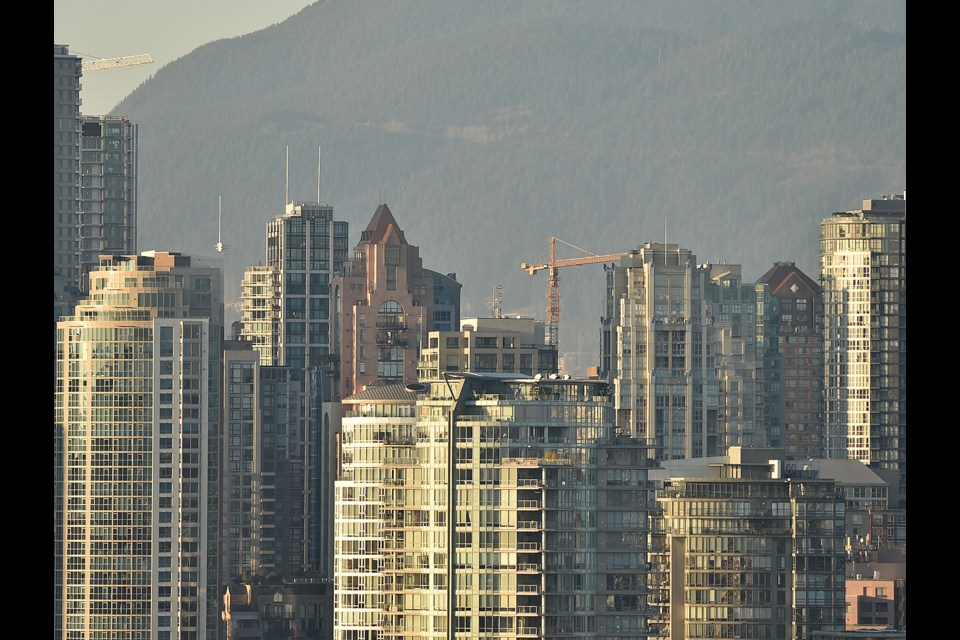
(729, 127)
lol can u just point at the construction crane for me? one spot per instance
(102, 64)
(553, 286)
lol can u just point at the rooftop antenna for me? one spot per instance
(318, 174)
(286, 186)
(219, 245)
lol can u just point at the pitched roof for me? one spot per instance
(380, 224)
(786, 272)
(380, 393)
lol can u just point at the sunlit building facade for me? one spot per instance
(489, 345)
(863, 275)
(384, 307)
(549, 517)
(137, 448)
(658, 351)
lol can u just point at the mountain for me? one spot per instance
(729, 127)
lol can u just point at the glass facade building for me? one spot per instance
(863, 275)
(286, 308)
(108, 190)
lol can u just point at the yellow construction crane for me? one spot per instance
(102, 64)
(553, 286)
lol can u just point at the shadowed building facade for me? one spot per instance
(67, 70)
(790, 345)
(108, 190)
(738, 549)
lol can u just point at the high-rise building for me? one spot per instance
(737, 549)
(863, 275)
(790, 345)
(385, 303)
(548, 514)
(732, 305)
(108, 194)
(137, 450)
(657, 349)
(279, 610)
(512, 345)
(67, 69)
(267, 492)
(286, 309)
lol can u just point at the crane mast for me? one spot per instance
(553, 280)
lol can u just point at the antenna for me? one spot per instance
(219, 246)
(318, 174)
(286, 186)
(498, 301)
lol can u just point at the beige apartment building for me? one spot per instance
(485, 345)
(548, 518)
(137, 453)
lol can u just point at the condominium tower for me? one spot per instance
(67, 69)
(548, 516)
(268, 492)
(137, 450)
(489, 345)
(790, 346)
(732, 305)
(740, 550)
(863, 274)
(385, 304)
(108, 190)
(657, 349)
(286, 309)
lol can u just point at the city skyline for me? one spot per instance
(667, 218)
(351, 452)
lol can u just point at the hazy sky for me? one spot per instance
(165, 29)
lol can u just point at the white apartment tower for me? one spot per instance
(657, 349)
(137, 448)
(863, 274)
